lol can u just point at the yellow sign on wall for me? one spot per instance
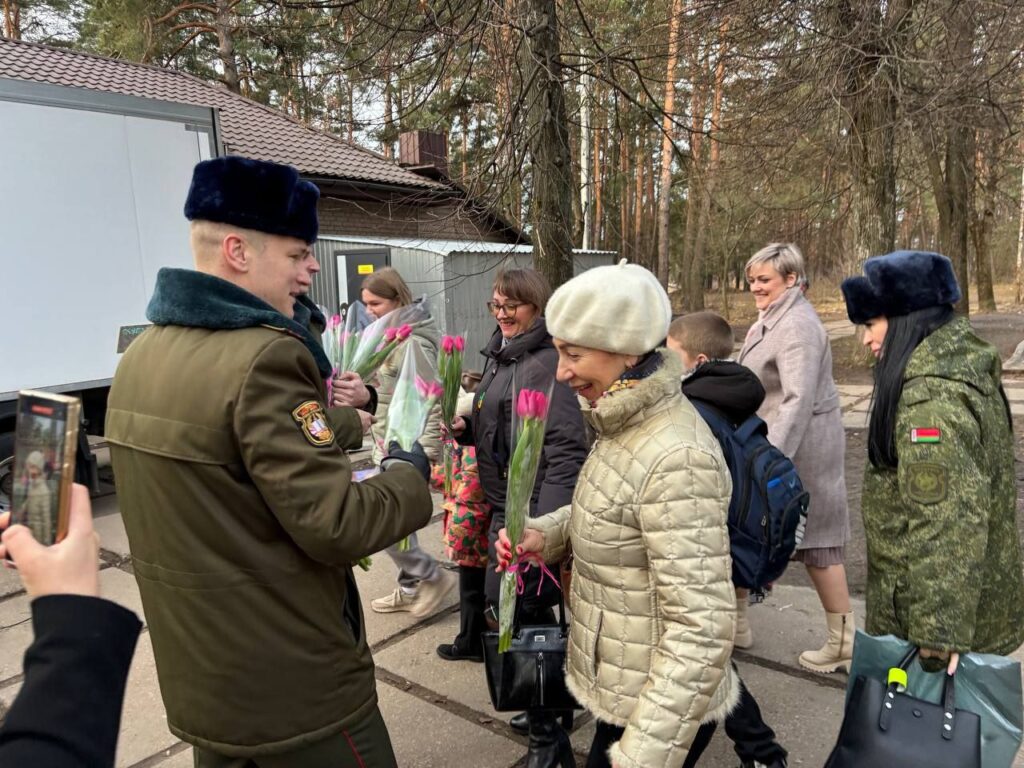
(365, 269)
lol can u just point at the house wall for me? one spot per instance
(403, 217)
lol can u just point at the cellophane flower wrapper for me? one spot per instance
(382, 337)
(341, 336)
(528, 424)
(449, 368)
(417, 391)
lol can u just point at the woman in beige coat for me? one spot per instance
(789, 351)
(653, 610)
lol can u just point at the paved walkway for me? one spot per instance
(439, 713)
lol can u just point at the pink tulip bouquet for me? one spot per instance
(530, 422)
(449, 366)
(382, 337)
(341, 338)
(417, 392)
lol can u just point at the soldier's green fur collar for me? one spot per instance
(197, 300)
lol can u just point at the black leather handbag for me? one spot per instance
(531, 674)
(883, 727)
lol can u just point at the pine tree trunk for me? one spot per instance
(226, 45)
(12, 20)
(981, 225)
(667, 144)
(551, 159)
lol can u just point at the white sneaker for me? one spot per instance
(430, 594)
(395, 602)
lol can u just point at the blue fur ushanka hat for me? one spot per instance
(899, 283)
(254, 194)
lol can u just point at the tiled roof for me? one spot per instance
(247, 128)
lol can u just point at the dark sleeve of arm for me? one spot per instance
(348, 429)
(467, 438)
(309, 487)
(68, 712)
(565, 450)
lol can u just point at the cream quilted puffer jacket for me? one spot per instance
(653, 606)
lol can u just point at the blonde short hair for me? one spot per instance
(784, 258)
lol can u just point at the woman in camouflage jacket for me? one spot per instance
(939, 500)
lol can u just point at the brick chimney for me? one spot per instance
(424, 152)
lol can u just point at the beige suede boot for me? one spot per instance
(838, 650)
(744, 637)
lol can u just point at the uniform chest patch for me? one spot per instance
(313, 421)
(927, 483)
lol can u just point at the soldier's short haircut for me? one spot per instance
(703, 333)
(784, 258)
(206, 237)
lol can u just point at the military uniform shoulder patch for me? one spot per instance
(927, 482)
(313, 421)
(925, 435)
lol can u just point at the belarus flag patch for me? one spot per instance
(926, 435)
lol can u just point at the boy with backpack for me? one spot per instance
(767, 496)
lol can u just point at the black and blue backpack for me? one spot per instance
(768, 510)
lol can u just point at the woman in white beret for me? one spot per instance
(653, 608)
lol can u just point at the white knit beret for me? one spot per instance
(620, 308)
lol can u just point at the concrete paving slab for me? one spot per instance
(144, 721)
(789, 621)
(10, 584)
(110, 527)
(855, 420)
(860, 390)
(16, 618)
(426, 736)
(381, 580)
(175, 757)
(415, 658)
(1013, 392)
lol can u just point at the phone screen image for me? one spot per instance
(40, 465)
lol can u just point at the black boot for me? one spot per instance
(468, 645)
(549, 743)
(520, 723)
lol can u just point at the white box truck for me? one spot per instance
(92, 187)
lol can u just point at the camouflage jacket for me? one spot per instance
(944, 562)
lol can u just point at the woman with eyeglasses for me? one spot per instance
(788, 349)
(519, 354)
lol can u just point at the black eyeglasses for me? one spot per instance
(509, 308)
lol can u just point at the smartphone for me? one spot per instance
(45, 442)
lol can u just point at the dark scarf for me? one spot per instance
(194, 299)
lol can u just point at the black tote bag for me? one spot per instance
(531, 674)
(884, 727)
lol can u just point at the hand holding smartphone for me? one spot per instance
(46, 438)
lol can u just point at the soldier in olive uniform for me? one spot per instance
(939, 500)
(239, 504)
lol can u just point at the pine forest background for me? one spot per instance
(684, 134)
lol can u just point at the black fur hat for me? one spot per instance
(899, 283)
(254, 194)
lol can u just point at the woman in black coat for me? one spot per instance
(519, 355)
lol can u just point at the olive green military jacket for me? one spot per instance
(243, 522)
(944, 561)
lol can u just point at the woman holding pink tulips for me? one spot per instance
(422, 584)
(653, 607)
(520, 355)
